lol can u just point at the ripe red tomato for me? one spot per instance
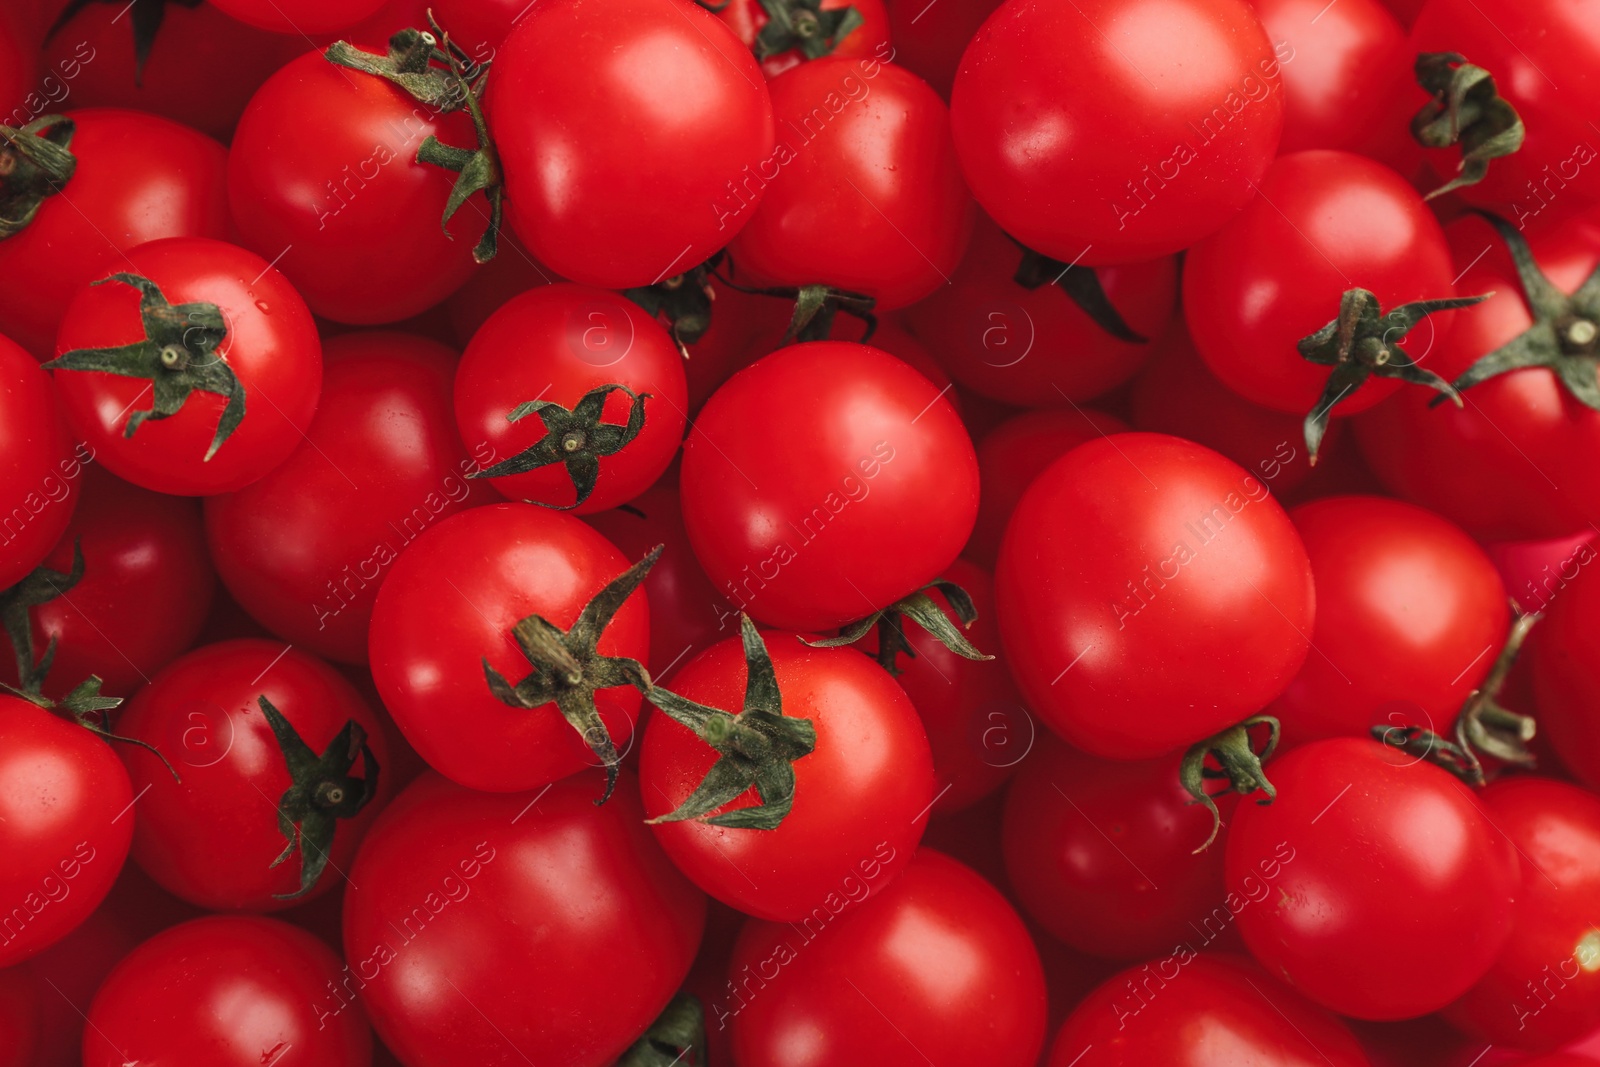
(350, 216)
(1375, 853)
(447, 612)
(212, 838)
(869, 35)
(801, 473)
(19, 1018)
(657, 199)
(235, 363)
(482, 929)
(19, 71)
(64, 826)
(1564, 655)
(145, 591)
(1189, 1010)
(67, 974)
(610, 390)
(1102, 854)
(138, 178)
(931, 47)
(892, 982)
(1037, 347)
(863, 191)
(1137, 615)
(176, 999)
(300, 17)
(861, 796)
(479, 26)
(1321, 224)
(510, 273)
(39, 479)
(1113, 131)
(305, 549)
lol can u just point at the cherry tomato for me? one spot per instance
(634, 209)
(931, 47)
(228, 393)
(39, 478)
(176, 999)
(1137, 616)
(66, 975)
(510, 273)
(870, 36)
(1564, 657)
(1115, 131)
(895, 981)
(19, 72)
(800, 477)
(1375, 852)
(306, 548)
(1535, 571)
(518, 906)
(300, 17)
(479, 26)
(19, 1018)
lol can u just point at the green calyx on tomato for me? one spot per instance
(1362, 342)
(568, 667)
(814, 309)
(86, 707)
(1082, 286)
(41, 586)
(36, 162)
(1564, 337)
(1466, 110)
(758, 745)
(678, 1036)
(320, 794)
(574, 437)
(1237, 761)
(145, 16)
(683, 302)
(412, 64)
(922, 610)
(178, 355)
(805, 25)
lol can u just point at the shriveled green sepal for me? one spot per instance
(86, 706)
(144, 16)
(921, 609)
(676, 1039)
(576, 438)
(805, 25)
(683, 302)
(1466, 109)
(757, 746)
(816, 306)
(41, 586)
(36, 163)
(179, 354)
(568, 668)
(1237, 762)
(1082, 286)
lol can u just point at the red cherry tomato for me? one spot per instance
(67, 974)
(931, 47)
(300, 17)
(19, 1018)
(527, 900)
(1375, 853)
(20, 103)
(39, 478)
(1535, 571)
(479, 26)
(1565, 661)
(510, 273)
(747, 18)
(1150, 593)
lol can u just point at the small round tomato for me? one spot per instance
(176, 999)
(510, 273)
(1564, 655)
(1150, 593)
(485, 927)
(452, 663)
(245, 724)
(19, 71)
(863, 194)
(931, 48)
(579, 394)
(1370, 854)
(39, 478)
(300, 17)
(479, 26)
(70, 971)
(861, 794)
(801, 473)
(19, 1018)
(1112, 131)
(893, 981)
(867, 36)
(193, 371)
(306, 548)
(65, 826)
(692, 117)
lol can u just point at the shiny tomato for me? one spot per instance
(869, 35)
(1565, 661)
(39, 479)
(300, 17)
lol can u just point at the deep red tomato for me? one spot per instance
(19, 72)
(482, 929)
(863, 191)
(861, 797)
(1543, 990)
(1511, 464)
(1013, 454)
(1321, 223)
(870, 36)
(138, 178)
(300, 17)
(66, 976)
(235, 363)
(176, 999)
(605, 386)
(801, 475)
(1535, 571)
(1113, 131)
(1564, 657)
(347, 212)
(39, 478)
(661, 197)
(1376, 852)
(447, 613)
(510, 273)
(19, 1018)
(1189, 1010)
(1037, 347)
(1410, 617)
(306, 548)
(931, 47)
(1101, 854)
(889, 334)
(144, 594)
(1138, 616)
(479, 26)
(895, 982)
(64, 826)
(212, 838)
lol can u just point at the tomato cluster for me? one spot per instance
(770, 533)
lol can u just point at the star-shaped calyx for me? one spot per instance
(683, 303)
(36, 162)
(676, 1039)
(757, 746)
(921, 609)
(804, 24)
(569, 669)
(320, 794)
(1466, 109)
(1236, 761)
(41, 586)
(575, 437)
(1082, 286)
